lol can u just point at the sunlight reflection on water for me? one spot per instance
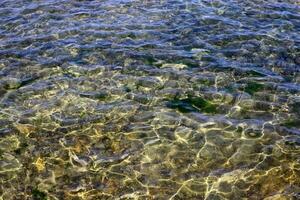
(149, 99)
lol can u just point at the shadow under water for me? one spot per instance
(132, 99)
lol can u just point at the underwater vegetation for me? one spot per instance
(191, 104)
(154, 100)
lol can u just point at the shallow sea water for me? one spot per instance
(149, 99)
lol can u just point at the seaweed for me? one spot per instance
(253, 87)
(95, 95)
(38, 195)
(291, 123)
(192, 104)
(150, 60)
(181, 106)
(21, 148)
(255, 73)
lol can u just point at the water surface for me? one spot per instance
(114, 99)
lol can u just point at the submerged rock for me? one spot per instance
(8, 163)
(253, 133)
(174, 66)
(10, 83)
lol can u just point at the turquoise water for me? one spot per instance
(149, 99)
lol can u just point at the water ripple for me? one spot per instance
(134, 99)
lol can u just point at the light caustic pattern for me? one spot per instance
(149, 100)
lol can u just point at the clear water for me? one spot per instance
(149, 99)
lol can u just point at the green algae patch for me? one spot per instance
(291, 123)
(255, 73)
(253, 87)
(192, 104)
(151, 61)
(202, 104)
(21, 149)
(181, 106)
(39, 195)
(101, 95)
